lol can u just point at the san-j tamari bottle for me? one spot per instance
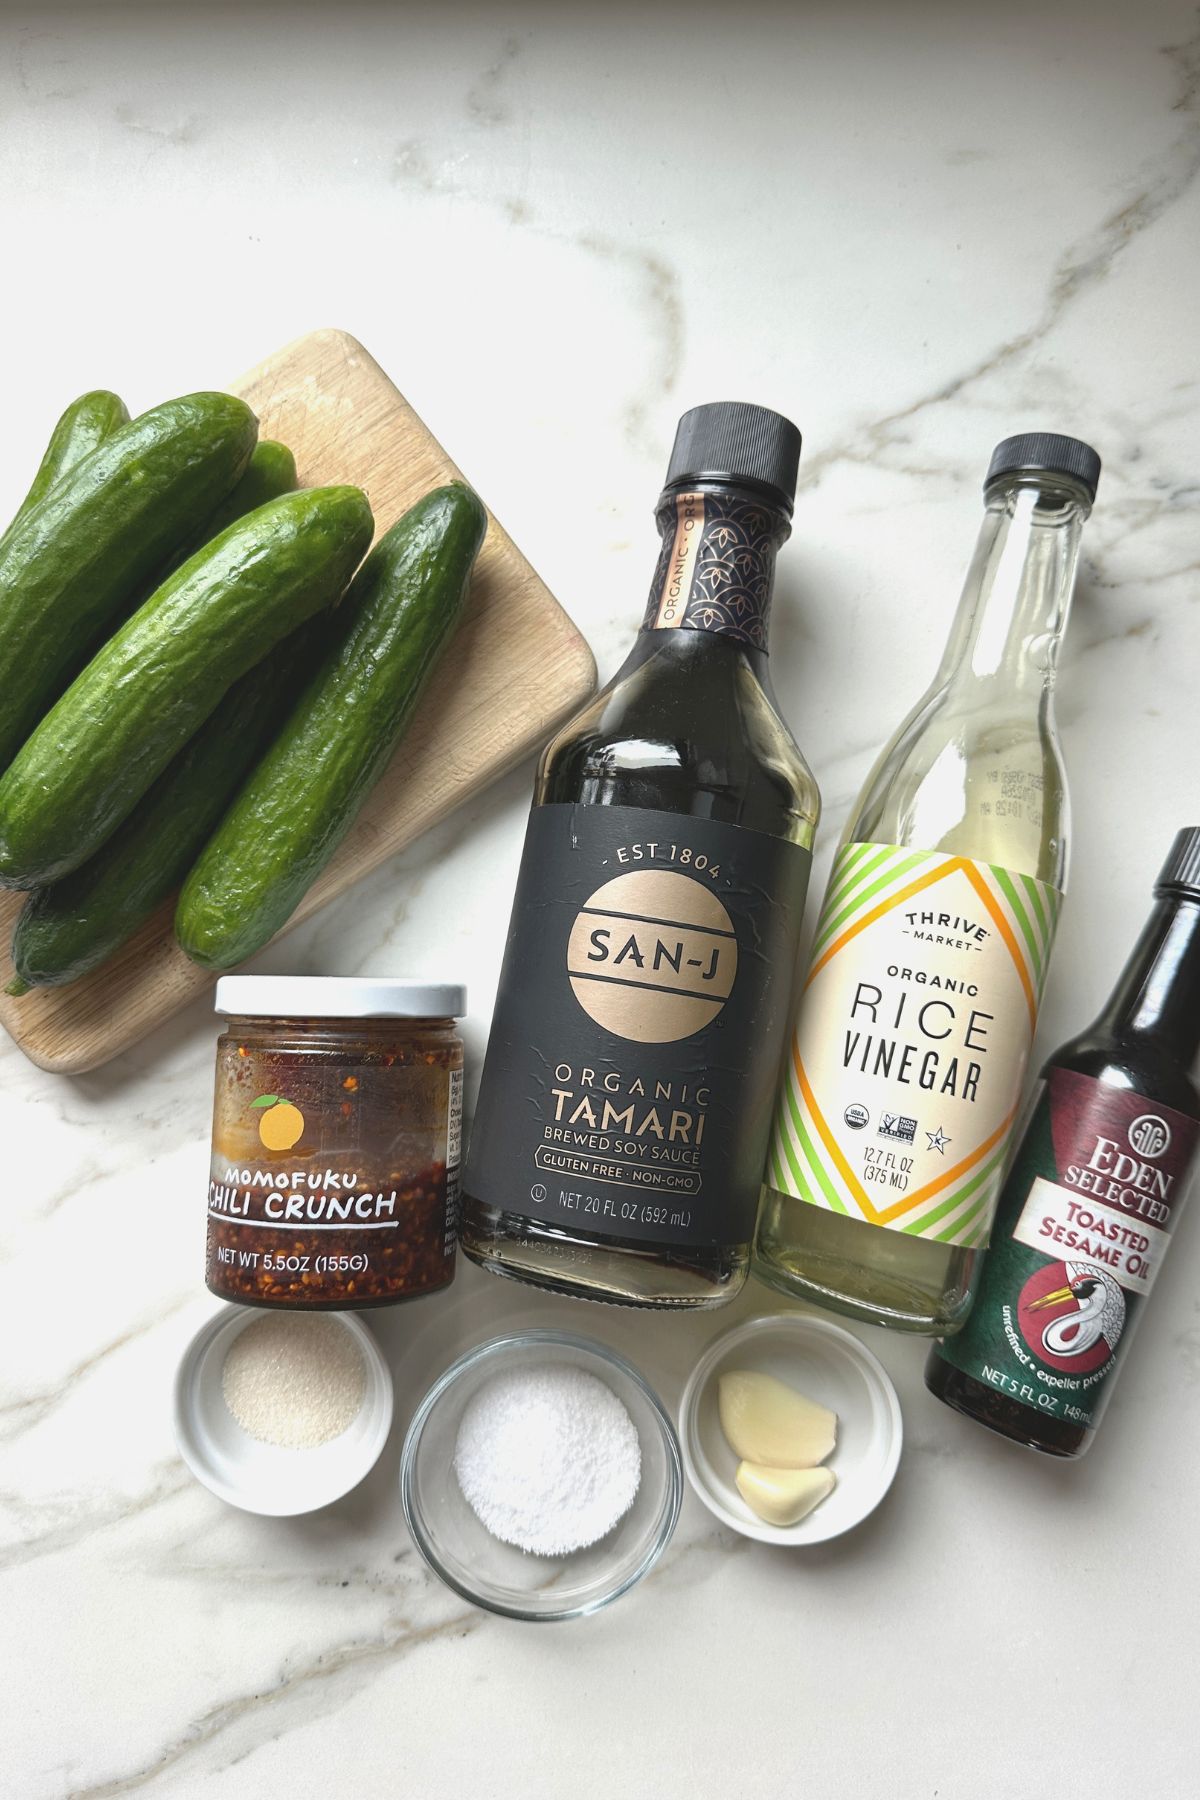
(625, 1106)
(900, 1092)
(1093, 1194)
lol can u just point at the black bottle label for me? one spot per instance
(643, 1002)
(1082, 1229)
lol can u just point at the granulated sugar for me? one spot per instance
(547, 1458)
(294, 1380)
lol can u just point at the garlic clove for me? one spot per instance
(783, 1496)
(768, 1422)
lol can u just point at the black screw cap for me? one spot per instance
(1181, 871)
(729, 440)
(1046, 450)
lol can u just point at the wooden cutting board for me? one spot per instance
(516, 669)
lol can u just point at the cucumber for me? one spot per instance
(158, 678)
(302, 798)
(270, 472)
(80, 560)
(82, 428)
(66, 930)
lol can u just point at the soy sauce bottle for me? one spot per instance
(625, 1105)
(1092, 1196)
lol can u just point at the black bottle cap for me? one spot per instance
(1181, 871)
(729, 440)
(1036, 450)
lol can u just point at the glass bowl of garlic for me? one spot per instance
(790, 1429)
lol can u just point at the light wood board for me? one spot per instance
(516, 668)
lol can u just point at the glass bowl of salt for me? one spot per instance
(541, 1477)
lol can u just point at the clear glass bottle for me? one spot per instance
(625, 1103)
(900, 1095)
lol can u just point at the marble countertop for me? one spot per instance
(914, 228)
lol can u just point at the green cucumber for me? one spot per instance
(82, 428)
(158, 678)
(66, 930)
(80, 560)
(303, 797)
(270, 472)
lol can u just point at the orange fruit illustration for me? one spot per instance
(281, 1125)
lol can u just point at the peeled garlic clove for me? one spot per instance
(783, 1496)
(768, 1422)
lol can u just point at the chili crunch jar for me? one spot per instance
(337, 1126)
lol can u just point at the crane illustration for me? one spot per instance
(1099, 1313)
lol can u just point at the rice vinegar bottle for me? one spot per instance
(901, 1091)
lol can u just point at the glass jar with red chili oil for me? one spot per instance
(337, 1129)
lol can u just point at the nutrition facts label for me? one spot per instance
(454, 1120)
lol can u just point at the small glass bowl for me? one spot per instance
(497, 1576)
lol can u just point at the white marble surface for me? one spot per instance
(914, 227)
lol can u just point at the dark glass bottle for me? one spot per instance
(1092, 1195)
(625, 1103)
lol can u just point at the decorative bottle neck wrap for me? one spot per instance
(716, 568)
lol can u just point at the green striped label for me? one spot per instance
(905, 1074)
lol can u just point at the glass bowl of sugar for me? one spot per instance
(541, 1476)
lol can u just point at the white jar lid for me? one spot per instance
(337, 997)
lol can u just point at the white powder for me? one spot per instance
(547, 1458)
(294, 1379)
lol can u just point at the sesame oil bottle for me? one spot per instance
(1093, 1195)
